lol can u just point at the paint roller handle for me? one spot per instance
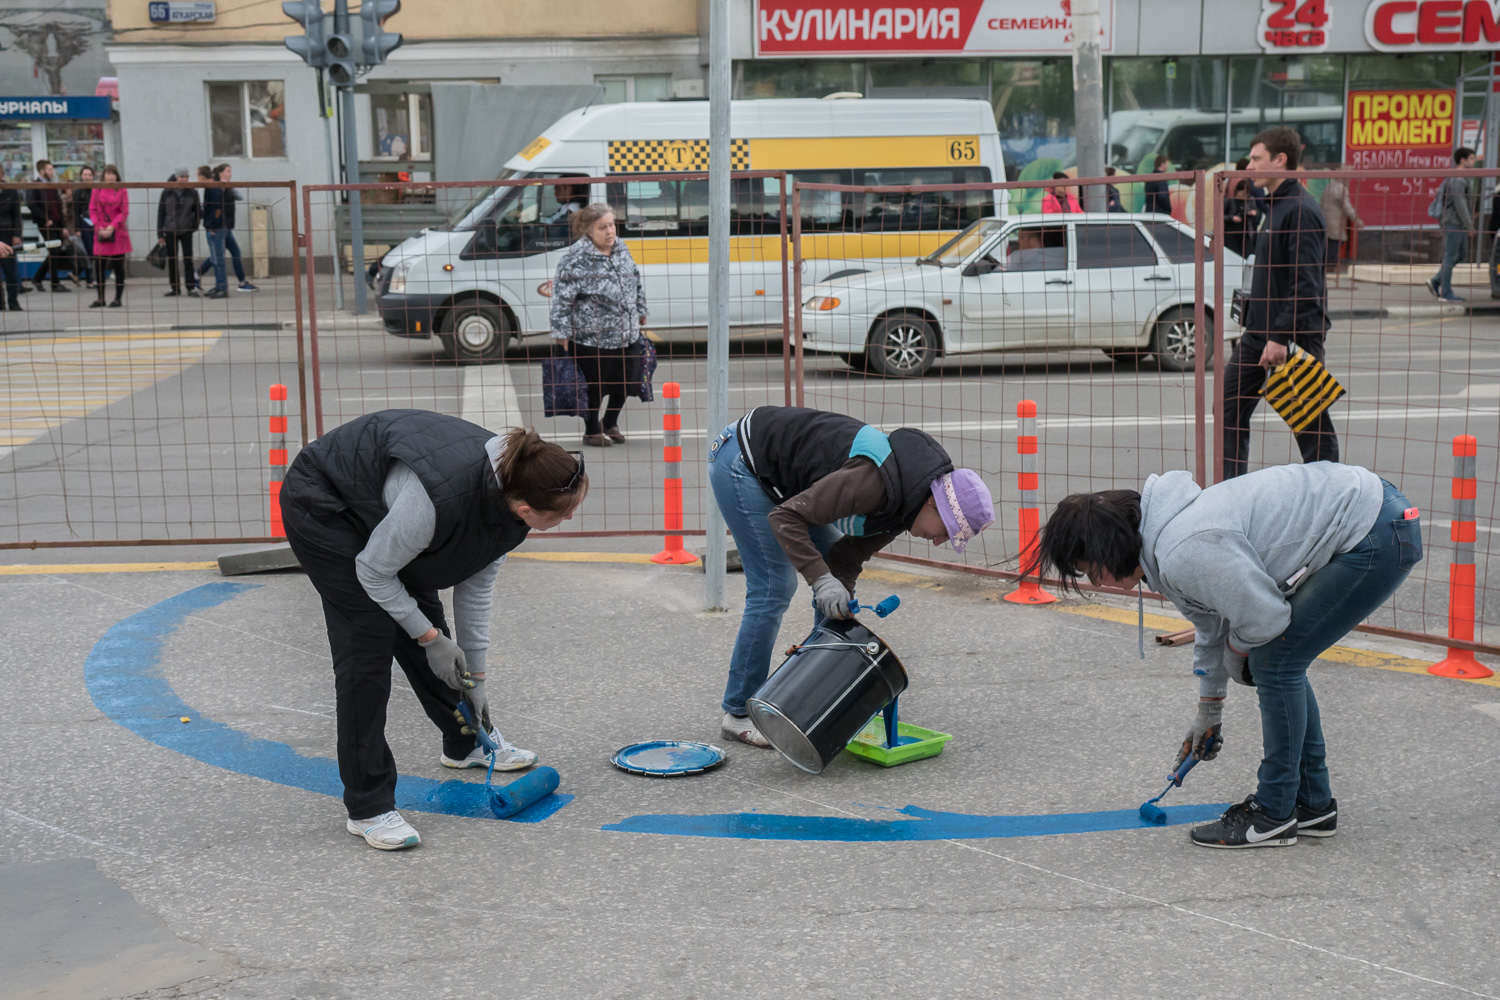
(1182, 771)
(480, 733)
(882, 609)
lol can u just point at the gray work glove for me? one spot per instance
(1238, 667)
(479, 705)
(831, 597)
(445, 659)
(1205, 737)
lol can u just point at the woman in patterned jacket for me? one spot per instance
(597, 306)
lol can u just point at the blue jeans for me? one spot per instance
(216, 255)
(770, 580)
(233, 246)
(1329, 604)
(1455, 249)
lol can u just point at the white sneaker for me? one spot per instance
(386, 832)
(744, 731)
(507, 758)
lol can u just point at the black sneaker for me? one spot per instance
(1318, 822)
(1246, 825)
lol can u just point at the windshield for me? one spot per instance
(1134, 146)
(477, 207)
(952, 253)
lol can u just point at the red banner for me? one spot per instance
(920, 27)
(1398, 130)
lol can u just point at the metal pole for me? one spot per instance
(718, 278)
(1088, 101)
(325, 112)
(341, 25)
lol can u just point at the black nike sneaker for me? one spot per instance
(1318, 822)
(1246, 825)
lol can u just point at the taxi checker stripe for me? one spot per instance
(641, 156)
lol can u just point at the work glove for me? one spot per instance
(831, 597)
(446, 660)
(1205, 737)
(1238, 666)
(479, 705)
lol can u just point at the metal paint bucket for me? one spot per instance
(824, 692)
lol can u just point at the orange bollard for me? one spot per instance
(671, 425)
(1460, 663)
(1029, 592)
(277, 427)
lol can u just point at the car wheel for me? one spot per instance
(475, 331)
(1175, 341)
(902, 347)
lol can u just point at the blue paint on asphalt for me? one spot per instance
(926, 824)
(123, 677)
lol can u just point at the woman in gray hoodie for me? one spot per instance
(1271, 568)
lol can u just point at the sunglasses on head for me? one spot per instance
(577, 475)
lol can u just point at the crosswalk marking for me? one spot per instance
(47, 381)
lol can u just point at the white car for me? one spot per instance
(1119, 282)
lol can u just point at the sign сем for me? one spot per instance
(920, 27)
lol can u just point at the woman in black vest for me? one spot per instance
(804, 491)
(383, 513)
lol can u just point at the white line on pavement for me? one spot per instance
(490, 397)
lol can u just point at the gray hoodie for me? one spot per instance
(1230, 556)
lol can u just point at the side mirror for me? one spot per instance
(979, 267)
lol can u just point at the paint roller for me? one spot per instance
(526, 791)
(882, 609)
(1155, 814)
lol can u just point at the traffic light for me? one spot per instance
(341, 68)
(376, 43)
(311, 45)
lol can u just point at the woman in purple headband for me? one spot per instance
(816, 493)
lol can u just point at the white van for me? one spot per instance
(485, 278)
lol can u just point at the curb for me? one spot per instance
(1415, 312)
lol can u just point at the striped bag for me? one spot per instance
(1301, 389)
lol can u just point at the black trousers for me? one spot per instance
(604, 370)
(363, 639)
(57, 258)
(1243, 379)
(11, 276)
(102, 267)
(181, 245)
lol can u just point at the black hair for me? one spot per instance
(1089, 529)
(1242, 163)
(1280, 139)
(1462, 153)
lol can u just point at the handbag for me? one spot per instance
(157, 257)
(565, 392)
(1301, 389)
(640, 366)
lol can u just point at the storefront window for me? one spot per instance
(15, 152)
(801, 79)
(1166, 106)
(402, 126)
(1033, 102)
(928, 78)
(1306, 93)
(71, 146)
(645, 87)
(246, 119)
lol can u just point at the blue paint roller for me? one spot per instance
(882, 609)
(1155, 814)
(526, 791)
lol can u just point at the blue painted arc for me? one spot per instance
(123, 676)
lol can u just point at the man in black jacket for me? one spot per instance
(1288, 302)
(10, 238)
(47, 212)
(177, 217)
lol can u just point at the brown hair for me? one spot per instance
(1281, 139)
(110, 168)
(42, 163)
(1161, 159)
(220, 169)
(538, 473)
(206, 172)
(583, 220)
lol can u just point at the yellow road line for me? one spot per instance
(1335, 654)
(589, 557)
(151, 567)
(106, 338)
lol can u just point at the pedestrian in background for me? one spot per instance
(1288, 303)
(222, 202)
(110, 209)
(47, 212)
(1159, 193)
(1339, 216)
(1060, 199)
(10, 238)
(598, 306)
(83, 224)
(177, 217)
(1112, 202)
(1244, 210)
(1457, 221)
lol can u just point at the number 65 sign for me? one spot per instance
(1293, 25)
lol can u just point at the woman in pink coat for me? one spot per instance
(110, 209)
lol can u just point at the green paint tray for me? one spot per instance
(870, 743)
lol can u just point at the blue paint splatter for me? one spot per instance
(123, 677)
(926, 825)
